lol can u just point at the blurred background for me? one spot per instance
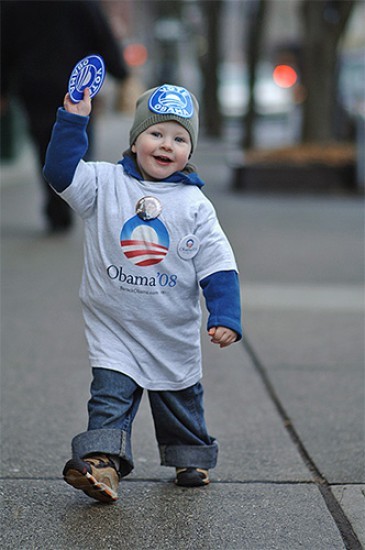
(281, 149)
(245, 58)
(268, 73)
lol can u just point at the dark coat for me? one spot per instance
(42, 41)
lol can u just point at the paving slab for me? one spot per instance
(302, 271)
(312, 338)
(283, 240)
(352, 499)
(316, 364)
(48, 514)
(254, 443)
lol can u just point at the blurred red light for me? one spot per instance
(285, 76)
(135, 55)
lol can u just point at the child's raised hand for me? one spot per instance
(82, 108)
(222, 336)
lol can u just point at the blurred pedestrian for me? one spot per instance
(151, 238)
(41, 42)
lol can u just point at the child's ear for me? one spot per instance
(133, 148)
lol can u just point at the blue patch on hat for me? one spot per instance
(172, 100)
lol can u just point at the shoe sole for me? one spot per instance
(192, 484)
(90, 486)
(191, 481)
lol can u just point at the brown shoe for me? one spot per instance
(96, 476)
(191, 477)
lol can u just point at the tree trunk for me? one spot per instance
(256, 20)
(324, 23)
(209, 66)
(167, 68)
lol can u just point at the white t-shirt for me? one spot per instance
(140, 284)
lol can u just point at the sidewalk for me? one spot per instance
(286, 405)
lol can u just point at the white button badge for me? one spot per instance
(148, 208)
(188, 247)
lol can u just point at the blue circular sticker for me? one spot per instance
(87, 73)
(171, 100)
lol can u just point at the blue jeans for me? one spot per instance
(178, 416)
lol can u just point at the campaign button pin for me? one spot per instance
(148, 208)
(188, 247)
(87, 73)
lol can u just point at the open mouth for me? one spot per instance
(162, 159)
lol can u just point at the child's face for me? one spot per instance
(162, 149)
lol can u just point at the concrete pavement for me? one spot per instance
(287, 404)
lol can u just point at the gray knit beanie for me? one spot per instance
(166, 103)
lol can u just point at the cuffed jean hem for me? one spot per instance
(105, 441)
(189, 456)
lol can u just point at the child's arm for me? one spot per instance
(222, 295)
(68, 143)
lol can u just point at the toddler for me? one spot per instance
(152, 240)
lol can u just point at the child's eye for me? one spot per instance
(155, 133)
(180, 139)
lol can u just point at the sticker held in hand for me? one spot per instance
(87, 73)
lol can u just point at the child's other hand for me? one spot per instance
(222, 336)
(82, 108)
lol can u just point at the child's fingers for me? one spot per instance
(66, 99)
(222, 336)
(82, 107)
(217, 333)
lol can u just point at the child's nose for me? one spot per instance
(167, 143)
